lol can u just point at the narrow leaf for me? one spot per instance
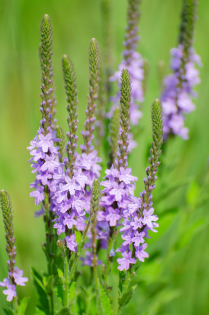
(61, 275)
(23, 305)
(8, 311)
(59, 292)
(39, 312)
(126, 296)
(78, 237)
(65, 311)
(72, 293)
(40, 290)
(104, 301)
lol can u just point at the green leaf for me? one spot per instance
(104, 301)
(61, 275)
(126, 296)
(40, 290)
(79, 241)
(78, 237)
(122, 277)
(72, 294)
(59, 292)
(193, 194)
(23, 305)
(39, 312)
(48, 282)
(8, 311)
(65, 311)
(189, 233)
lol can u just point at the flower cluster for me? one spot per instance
(120, 205)
(44, 162)
(178, 86)
(45, 155)
(70, 204)
(178, 90)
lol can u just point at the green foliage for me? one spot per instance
(8, 311)
(61, 275)
(126, 296)
(78, 236)
(65, 311)
(39, 312)
(41, 291)
(104, 301)
(72, 293)
(23, 305)
(59, 292)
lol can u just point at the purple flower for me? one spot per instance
(17, 274)
(134, 63)
(148, 217)
(11, 289)
(140, 253)
(117, 191)
(125, 262)
(178, 91)
(113, 216)
(71, 243)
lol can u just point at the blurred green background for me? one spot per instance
(175, 280)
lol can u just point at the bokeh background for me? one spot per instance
(175, 280)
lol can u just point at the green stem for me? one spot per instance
(79, 252)
(66, 286)
(48, 231)
(112, 239)
(109, 262)
(95, 268)
(16, 306)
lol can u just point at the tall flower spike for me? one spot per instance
(125, 101)
(92, 97)
(15, 275)
(187, 24)
(138, 215)
(47, 88)
(178, 86)
(155, 151)
(134, 63)
(131, 29)
(71, 91)
(106, 9)
(114, 131)
(6, 207)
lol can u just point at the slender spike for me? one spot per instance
(125, 101)
(93, 95)
(47, 88)
(71, 91)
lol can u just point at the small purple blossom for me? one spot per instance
(178, 91)
(71, 243)
(17, 275)
(11, 289)
(124, 263)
